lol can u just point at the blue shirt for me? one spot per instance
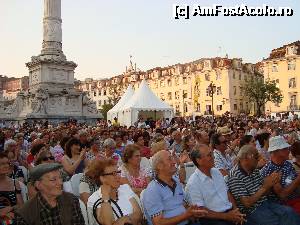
(288, 174)
(120, 150)
(177, 147)
(159, 198)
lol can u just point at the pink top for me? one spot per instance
(136, 182)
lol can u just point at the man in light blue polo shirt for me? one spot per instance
(163, 199)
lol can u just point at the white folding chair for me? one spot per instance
(67, 187)
(24, 191)
(189, 170)
(75, 181)
(84, 212)
(145, 163)
(25, 172)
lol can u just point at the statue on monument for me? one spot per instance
(40, 102)
(89, 106)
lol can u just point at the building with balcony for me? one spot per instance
(184, 86)
(283, 67)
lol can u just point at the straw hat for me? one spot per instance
(224, 130)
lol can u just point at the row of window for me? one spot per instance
(177, 95)
(184, 94)
(100, 102)
(218, 76)
(169, 82)
(293, 101)
(177, 108)
(292, 82)
(99, 93)
(290, 66)
(219, 91)
(235, 107)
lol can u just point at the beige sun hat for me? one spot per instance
(224, 130)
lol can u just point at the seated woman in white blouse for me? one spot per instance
(107, 213)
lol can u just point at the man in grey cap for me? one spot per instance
(51, 205)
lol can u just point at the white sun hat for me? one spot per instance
(277, 143)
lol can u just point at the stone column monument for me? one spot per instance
(52, 36)
(51, 93)
(51, 68)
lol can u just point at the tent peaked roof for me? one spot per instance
(145, 99)
(124, 99)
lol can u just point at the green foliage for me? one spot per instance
(105, 109)
(261, 92)
(115, 92)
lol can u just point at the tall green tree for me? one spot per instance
(105, 108)
(261, 92)
(115, 92)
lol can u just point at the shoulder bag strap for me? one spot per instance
(99, 202)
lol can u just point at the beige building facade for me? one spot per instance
(185, 86)
(283, 67)
(11, 86)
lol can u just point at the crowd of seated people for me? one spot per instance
(222, 171)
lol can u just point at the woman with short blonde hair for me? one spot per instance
(136, 176)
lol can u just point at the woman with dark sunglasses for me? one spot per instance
(43, 157)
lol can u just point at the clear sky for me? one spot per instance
(99, 35)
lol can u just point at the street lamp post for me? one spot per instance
(212, 90)
(183, 97)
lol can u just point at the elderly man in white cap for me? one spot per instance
(51, 205)
(287, 189)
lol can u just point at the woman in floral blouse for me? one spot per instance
(131, 171)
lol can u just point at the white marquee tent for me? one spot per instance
(115, 111)
(144, 103)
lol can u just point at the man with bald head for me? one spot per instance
(163, 199)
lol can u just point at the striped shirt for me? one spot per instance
(241, 184)
(222, 161)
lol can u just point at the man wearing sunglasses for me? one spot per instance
(223, 161)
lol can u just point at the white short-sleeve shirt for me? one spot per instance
(124, 195)
(210, 192)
